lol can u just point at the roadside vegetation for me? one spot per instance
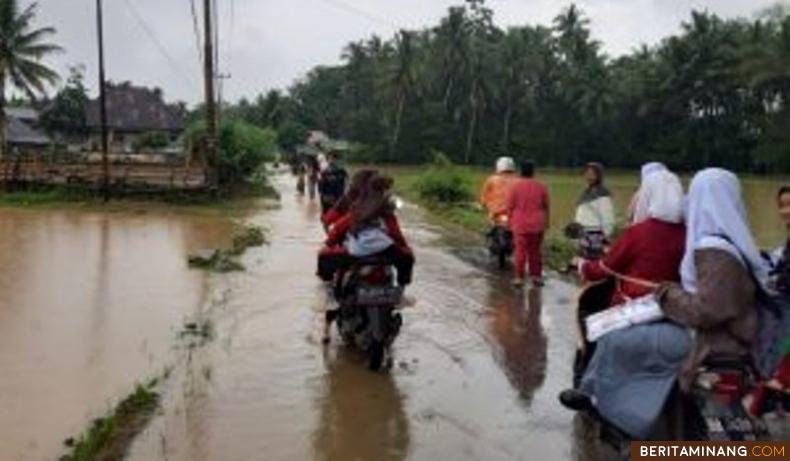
(227, 260)
(110, 436)
(449, 195)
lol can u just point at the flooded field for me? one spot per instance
(91, 303)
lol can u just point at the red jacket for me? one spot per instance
(528, 207)
(651, 251)
(342, 226)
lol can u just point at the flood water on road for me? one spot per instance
(91, 304)
(477, 370)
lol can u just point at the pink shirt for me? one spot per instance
(528, 207)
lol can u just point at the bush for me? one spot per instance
(243, 148)
(444, 186)
(153, 140)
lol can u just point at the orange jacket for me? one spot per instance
(496, 193)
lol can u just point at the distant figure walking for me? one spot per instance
(332, 183)
(528, 210)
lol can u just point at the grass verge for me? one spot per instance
(109, 437)
(429, 189)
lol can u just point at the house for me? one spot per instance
(134, 112)
(22, 132)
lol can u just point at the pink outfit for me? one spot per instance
(528, 207)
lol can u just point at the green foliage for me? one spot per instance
(444, 185)
(715, 93)
(243, 148)
(109, 436)
(22, 48)
(153, 140)
(66, 115)
(250, 236)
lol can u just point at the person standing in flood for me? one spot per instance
(595, 210)
(528, 212)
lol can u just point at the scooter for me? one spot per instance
(368, 316)
(500, 240)
(714, 408)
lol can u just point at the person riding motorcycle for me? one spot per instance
(371, 228)
(627, 375)
(497, 188)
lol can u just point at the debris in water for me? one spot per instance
(222, 261)
(215, 261)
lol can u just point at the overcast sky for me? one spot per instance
(269, 43)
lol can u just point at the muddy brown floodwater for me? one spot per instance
(90, 303)
(477, 367)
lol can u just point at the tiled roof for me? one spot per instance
(137, 109)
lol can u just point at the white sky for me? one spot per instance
(273, 42)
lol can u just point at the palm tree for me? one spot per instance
(21, 49)
(403, 80)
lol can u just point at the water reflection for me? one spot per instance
(516, 326)
(362, 414)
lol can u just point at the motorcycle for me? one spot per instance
(367, 316)
(714, 408)
(500, 240)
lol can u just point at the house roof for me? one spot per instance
(137, 109)
(27, 114)
(20, 133)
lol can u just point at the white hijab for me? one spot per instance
(717, 219)
(652, 167)
(648, 169)
(660, 197)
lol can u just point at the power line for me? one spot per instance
(362, 13)
(148, 31)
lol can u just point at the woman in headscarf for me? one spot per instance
(632, 371)
(595, 210)
(720, 272)
(637, 209)
(650, 251)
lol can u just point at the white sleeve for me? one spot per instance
(606, 209)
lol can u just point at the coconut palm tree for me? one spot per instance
(22, 48)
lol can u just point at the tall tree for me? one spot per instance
(22, 47)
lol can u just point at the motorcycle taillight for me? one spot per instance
(730, 386)
(378, 276)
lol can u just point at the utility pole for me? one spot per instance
(211, 108)
(105, 141)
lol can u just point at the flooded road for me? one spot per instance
(477, 366)
(91, 303)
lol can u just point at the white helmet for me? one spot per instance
(505, 165)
